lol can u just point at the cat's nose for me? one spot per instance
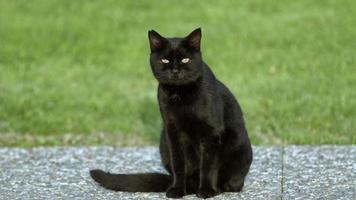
(175, 71)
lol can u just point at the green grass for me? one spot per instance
(81, 67)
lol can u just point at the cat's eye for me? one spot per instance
(165, 61)
(185, 60)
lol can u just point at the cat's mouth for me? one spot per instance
(176, 80)
(176, 76)
(180, 79)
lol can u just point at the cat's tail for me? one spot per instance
(145, 182)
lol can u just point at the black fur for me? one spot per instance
(204, 143)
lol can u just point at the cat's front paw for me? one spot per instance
(175, 192)
(206, 193)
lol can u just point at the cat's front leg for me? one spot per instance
(209, 166)
(176, 150)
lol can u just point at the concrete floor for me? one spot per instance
(290, 172)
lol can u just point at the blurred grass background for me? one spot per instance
(77, 72)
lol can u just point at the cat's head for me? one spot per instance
(176, 61)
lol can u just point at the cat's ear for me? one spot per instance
(157, 42)
(193, 39)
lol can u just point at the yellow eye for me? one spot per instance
(165, 61)
(185, 60)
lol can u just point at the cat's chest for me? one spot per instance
(183, 113)
(181, 99)
(188, 119)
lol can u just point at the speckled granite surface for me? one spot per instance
(326, 172)
(62, 173)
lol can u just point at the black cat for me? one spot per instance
(204, 143)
